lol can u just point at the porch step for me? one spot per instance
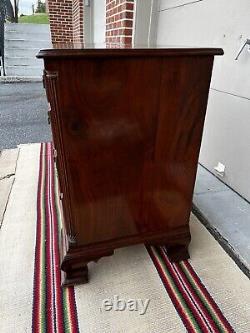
(23, 61)
(21, 53)
(27, 31)
(23, 70)
(22, 43)
(26, 43)
(14, 34)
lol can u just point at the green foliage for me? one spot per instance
(41, 7)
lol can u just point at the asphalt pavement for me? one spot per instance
(23, 114)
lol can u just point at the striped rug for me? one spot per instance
(54, 308)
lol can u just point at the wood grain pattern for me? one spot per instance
(127, 130)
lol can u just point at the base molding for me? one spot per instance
(74, 259)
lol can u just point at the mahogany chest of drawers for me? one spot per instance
(127, 126)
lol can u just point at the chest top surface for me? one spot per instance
(113, 50)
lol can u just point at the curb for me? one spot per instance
(222, 241)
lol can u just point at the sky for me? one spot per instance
(25, 6)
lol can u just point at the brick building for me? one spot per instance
(91, 21)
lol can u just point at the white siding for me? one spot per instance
(226, 24)
(99, 21)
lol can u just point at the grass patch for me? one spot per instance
(36, 18)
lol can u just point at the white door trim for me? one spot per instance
(145, 22)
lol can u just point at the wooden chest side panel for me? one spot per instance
(170, 177)
(131, 132)
(108, 132)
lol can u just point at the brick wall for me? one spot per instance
(66, 21)
(119, 21)
(60, 17)
(77, 21)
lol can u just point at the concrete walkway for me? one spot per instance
(8, 162)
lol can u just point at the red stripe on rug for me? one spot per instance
(196, 299)
(201, 315)
(36, 318)
(183, 315)
(185, 298)
(50, 320)
(57, 296)
(189, 302)
(205, 292)
(57, 256)
(73, 311)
